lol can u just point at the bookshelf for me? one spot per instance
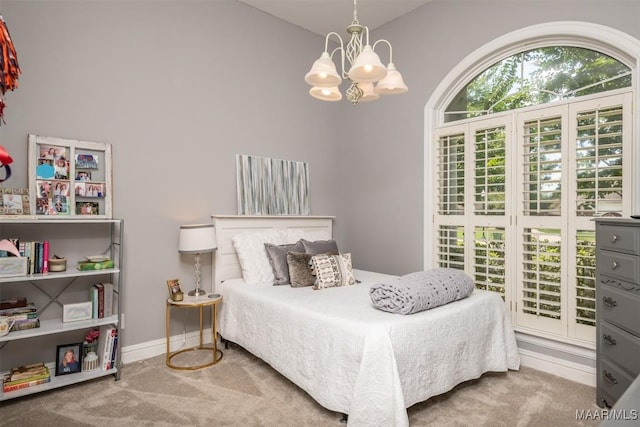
(75, 239)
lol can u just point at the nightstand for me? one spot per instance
(200, 303)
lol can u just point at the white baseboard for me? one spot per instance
(562, 368)
(146, 350)
(553, 365)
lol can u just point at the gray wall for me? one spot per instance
(179, 88)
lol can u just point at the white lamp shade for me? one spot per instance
(367, 67)
(392, 84)
(326, 93)
(197, 238)
(323, 73)
(368, 92)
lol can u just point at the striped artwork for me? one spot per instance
(272, 186)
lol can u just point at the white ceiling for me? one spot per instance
(324, 16)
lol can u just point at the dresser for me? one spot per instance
(617, 307)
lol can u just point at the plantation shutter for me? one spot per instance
(516, 195)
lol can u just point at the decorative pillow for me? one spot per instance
(332, 270)
(300, 272)
(421, 290)
(320, 246)
(278, 258)
(252, 255)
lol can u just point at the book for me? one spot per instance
(7, 379)
(108, 299)
(105, 345)
(29, 308)
(88, 265)
(38, 374)
(13, 303)
(93, 297)
(21, 385)
(45, 256)
(100, 288)
(114, 350)
(24, 316)
(39, 259)
(27, 324)
(26, 371)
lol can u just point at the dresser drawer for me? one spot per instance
(619, 307)
(619, 265)
(612, 380)
(618, 238)
(620, 347)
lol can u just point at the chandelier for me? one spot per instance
(366, 69)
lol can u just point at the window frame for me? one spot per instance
(578, 34)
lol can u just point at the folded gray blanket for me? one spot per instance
(421, 290)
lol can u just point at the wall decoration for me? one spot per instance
(271, 186)
(70, 178)
(14, 201)
(9, 68)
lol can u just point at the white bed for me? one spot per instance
(349, 356)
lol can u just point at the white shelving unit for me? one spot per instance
(42, 228)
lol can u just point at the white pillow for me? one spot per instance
(252, 254)
(295, 234)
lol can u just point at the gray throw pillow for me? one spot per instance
(300, 271)
(278, 259)
(320, 246)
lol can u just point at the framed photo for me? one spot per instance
(87, 161)
(77, 311)
(83, 176)
(14, 201)
(87, 208)
(69, 359)
(70, 178)
(174, 288)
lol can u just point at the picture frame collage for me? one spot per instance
(70, 178)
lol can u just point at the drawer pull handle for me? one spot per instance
(614, 238)
(614, 265)
(609, 339)
(609, 378)
(610, 302)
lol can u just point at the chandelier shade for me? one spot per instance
(323, 73)
(368, 92)
(366, 68)
(326, 93)
(392, 84)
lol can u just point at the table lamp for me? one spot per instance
(198, 239)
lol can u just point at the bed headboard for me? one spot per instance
(226, 264)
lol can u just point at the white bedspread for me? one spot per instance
(355, 359)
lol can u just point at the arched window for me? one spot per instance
(535, 77)
(530, 138)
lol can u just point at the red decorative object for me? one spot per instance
(5, 160)
(9, 69)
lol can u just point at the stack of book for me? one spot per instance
(37, 254)
(25, 314)
(108, 347)
(102, 300)
(26, 376)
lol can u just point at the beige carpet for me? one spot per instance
(244, 391)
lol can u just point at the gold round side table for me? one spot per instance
(199, 302)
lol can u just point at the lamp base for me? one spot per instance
(197, 292)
